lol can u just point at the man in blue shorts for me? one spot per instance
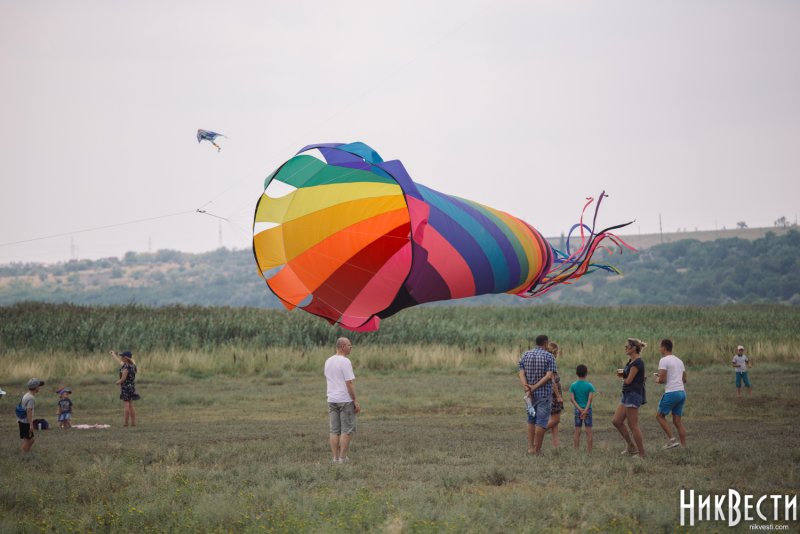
(671, 373)
(536, 369)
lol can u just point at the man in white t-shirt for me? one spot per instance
(672, 374)
(342, 403)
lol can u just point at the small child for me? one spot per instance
(64, 409)
(581, 393)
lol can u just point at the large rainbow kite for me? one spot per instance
(351, 238)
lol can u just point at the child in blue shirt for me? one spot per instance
(581, 394)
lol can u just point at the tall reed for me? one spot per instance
(64, 339)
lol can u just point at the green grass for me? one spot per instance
(436, 451)
(232, 433)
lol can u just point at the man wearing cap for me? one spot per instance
(741, 363)
(26, 423)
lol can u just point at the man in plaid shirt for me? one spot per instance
(536, 369)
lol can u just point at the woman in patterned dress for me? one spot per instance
(127, 385)
(558, 399)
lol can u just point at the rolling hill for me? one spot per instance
(688, 268)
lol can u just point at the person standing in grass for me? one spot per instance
(127, 385)
(581, 394)
(536, 370)
(741, 363)
(342, 404)
(64, 408)
(632, 398)
(26, 423)
(671, 373)
(557, 405)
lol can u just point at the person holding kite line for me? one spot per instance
(342, 404)
(127, 384)
(632, 398)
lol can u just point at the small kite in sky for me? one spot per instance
(207, 135)
(353, 239)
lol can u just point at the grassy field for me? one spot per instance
(235, 439)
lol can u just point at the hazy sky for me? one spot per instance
(687, 109)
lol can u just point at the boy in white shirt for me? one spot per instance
(671, 373)
(741, 363)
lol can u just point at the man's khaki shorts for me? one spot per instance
(343, 417)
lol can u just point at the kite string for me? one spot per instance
(244, 231)
(95, 228)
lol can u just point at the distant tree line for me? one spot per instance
(687, 272)
(723, 271)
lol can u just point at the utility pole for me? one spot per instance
(660, 228)
(219, 223)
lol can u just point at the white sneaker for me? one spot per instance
(671, 444)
